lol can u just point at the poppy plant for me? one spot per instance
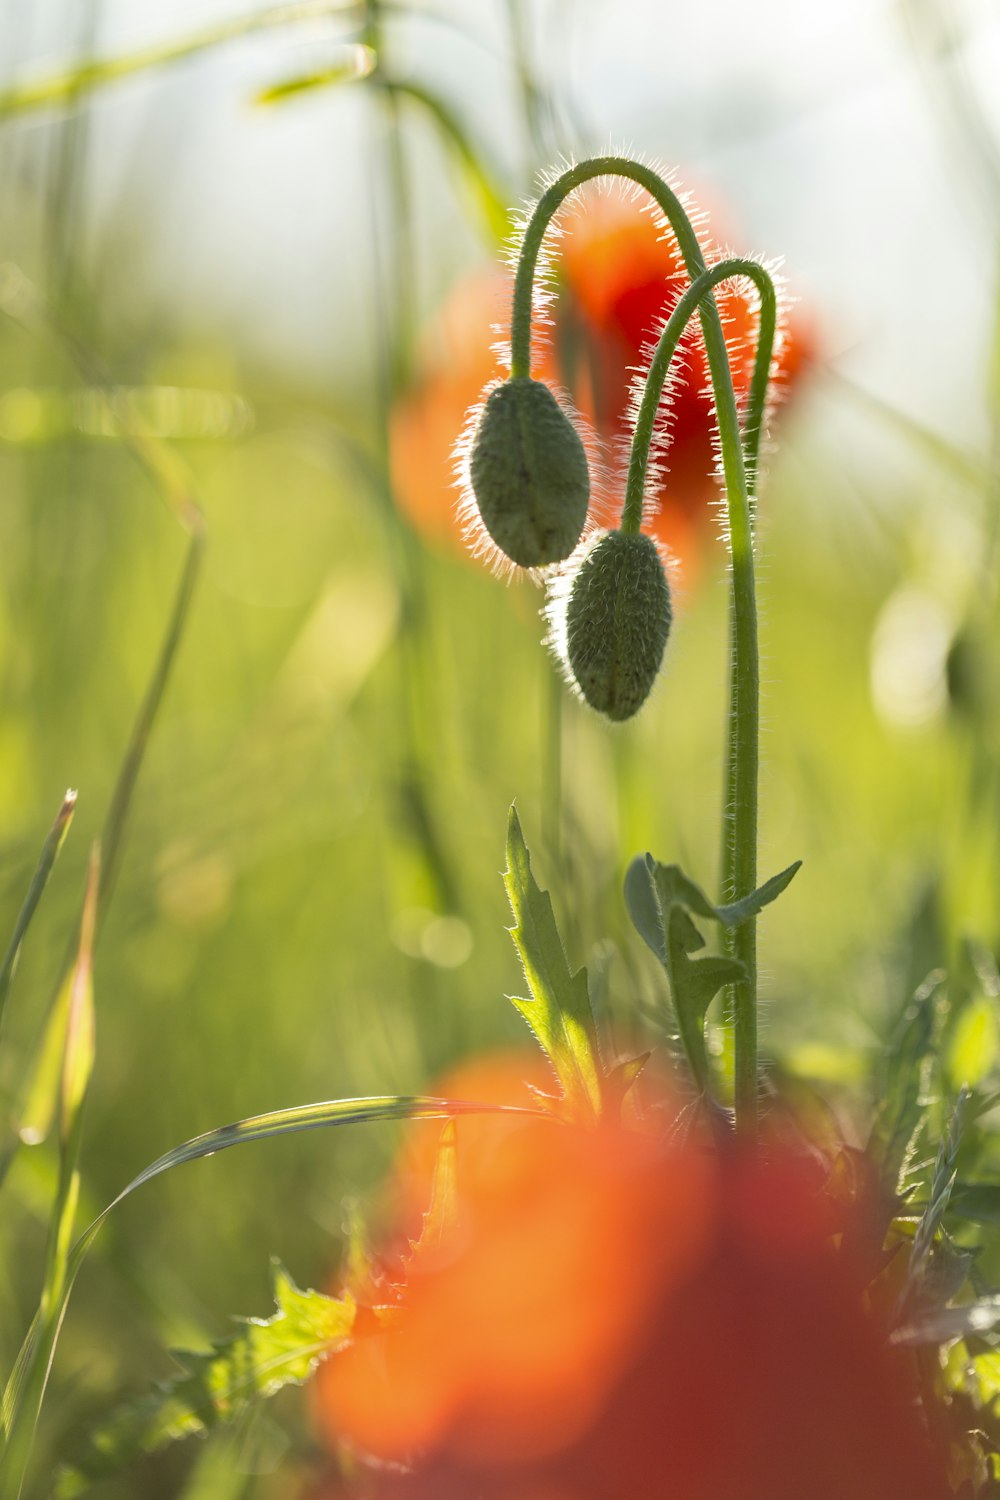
(618, 278)
(612, 1313)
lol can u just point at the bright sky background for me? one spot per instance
(825, 132)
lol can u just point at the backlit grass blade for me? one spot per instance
(47, 858)
(353, 63)
(25, 1391)
(491, 202)
(27, 1386)
(69, 84)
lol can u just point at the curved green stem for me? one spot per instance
(743, 753)
(659, 369)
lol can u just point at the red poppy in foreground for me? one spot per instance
(619, 278)
(610, 1315)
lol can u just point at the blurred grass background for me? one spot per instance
(309, 903)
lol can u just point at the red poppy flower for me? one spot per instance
(618, 278)
(612, 1315)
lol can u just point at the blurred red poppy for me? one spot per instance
(618, 278)
(610, 1315)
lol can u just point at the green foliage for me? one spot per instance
(25, 1389)
(902, 1088)
(218, 1385)
(47, 858)
(559, 1011)
(661, 900)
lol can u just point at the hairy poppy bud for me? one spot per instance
(617, 621)
(529, 474)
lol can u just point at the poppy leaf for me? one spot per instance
(738, 911)
(662, 902)
(559, 1012)
(217, 1385)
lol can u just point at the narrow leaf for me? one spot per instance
(47, 858)
(738, 911)
(354, 61)
(25, 1389)
(39, 1343)
(559, 1012)
(78, 1056)
(676, 888)
(218, 1385)
(67, 86)
(642, 906)
(492, 202)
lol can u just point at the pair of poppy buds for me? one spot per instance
(530, 481)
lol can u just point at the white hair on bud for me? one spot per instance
(474, 533)
(558, 587)
(559, 582)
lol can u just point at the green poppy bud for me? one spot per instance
(617, 621)
(529, 474)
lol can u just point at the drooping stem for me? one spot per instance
(743, 727)
(659, 370)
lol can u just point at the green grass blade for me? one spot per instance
(355, 62)
(492, 203)
(25, 1391)
(66, 86)
(121, 800)
(36, 1355)
(47, 858)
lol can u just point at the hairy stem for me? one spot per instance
(743, 727)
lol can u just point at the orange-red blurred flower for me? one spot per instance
(613, 1315)
(618, 280)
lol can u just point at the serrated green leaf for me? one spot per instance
(559, 1012)
(217, 1386)
(35, 1352)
